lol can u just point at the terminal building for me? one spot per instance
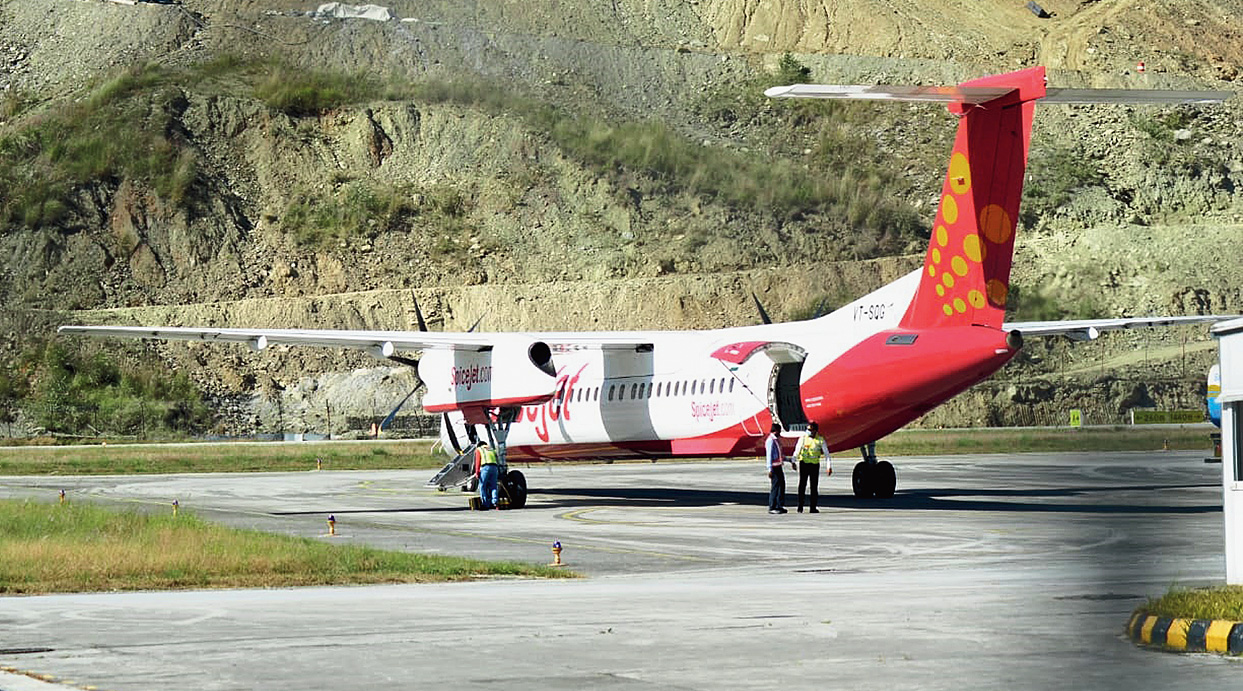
(1230, 340)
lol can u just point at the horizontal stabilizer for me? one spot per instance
(1140, 96)
(935, 94)
(1089, 329)
(983, 94)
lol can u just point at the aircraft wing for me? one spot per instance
(1089, 329)
(381, 344)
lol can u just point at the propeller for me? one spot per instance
(411, 362)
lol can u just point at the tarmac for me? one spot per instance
(990, 571)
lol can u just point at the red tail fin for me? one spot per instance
(966, 276)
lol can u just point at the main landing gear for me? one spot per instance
(514, 490)
(511, 494)
(873, 478)
(512, 485)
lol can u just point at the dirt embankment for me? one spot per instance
(548, 244)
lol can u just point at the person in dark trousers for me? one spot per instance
(776, 474)
(487, 467)
(809, 452)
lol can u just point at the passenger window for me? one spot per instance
(649, 390)
(694, 387)
(634, 391)
(712, 386)
(731, 385)
(612, 387)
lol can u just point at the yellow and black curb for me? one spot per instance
(1187, 635)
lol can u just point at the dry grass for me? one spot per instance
(47, 548)
(217, 458)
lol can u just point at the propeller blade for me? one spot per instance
(389, 420)
(763, 314)
(444, 419)
(418, 313)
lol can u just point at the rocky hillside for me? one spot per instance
(463, 178)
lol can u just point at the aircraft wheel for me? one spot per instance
(516, 485)
(884, 479)
(862, 481)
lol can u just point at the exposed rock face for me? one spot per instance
(542, 242)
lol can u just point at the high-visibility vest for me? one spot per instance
(487, 456)
(811, 449)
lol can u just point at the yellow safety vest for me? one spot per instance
(487, 456)
(811, 449)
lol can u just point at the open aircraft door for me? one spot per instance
(785, 399)
(782, 365)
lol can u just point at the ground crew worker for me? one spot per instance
(776, 475)
(809, 451)
(488, 468)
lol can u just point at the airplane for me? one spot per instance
(860, 372)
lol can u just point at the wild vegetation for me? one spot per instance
(127, 128)
(70, 391)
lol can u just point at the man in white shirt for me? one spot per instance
(776, 474)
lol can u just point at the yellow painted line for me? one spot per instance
(1176, 637)
(1145, 634)
(1216, 639)
(579, 515)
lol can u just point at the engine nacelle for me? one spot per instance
(506, 375)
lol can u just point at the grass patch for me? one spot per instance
(922, 442)
(1225, 602)
(47, 548)
(301, 92)
(219, 458)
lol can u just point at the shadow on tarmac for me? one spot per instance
(956, 499)
(948, 499)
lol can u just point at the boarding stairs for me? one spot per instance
(457, 472)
